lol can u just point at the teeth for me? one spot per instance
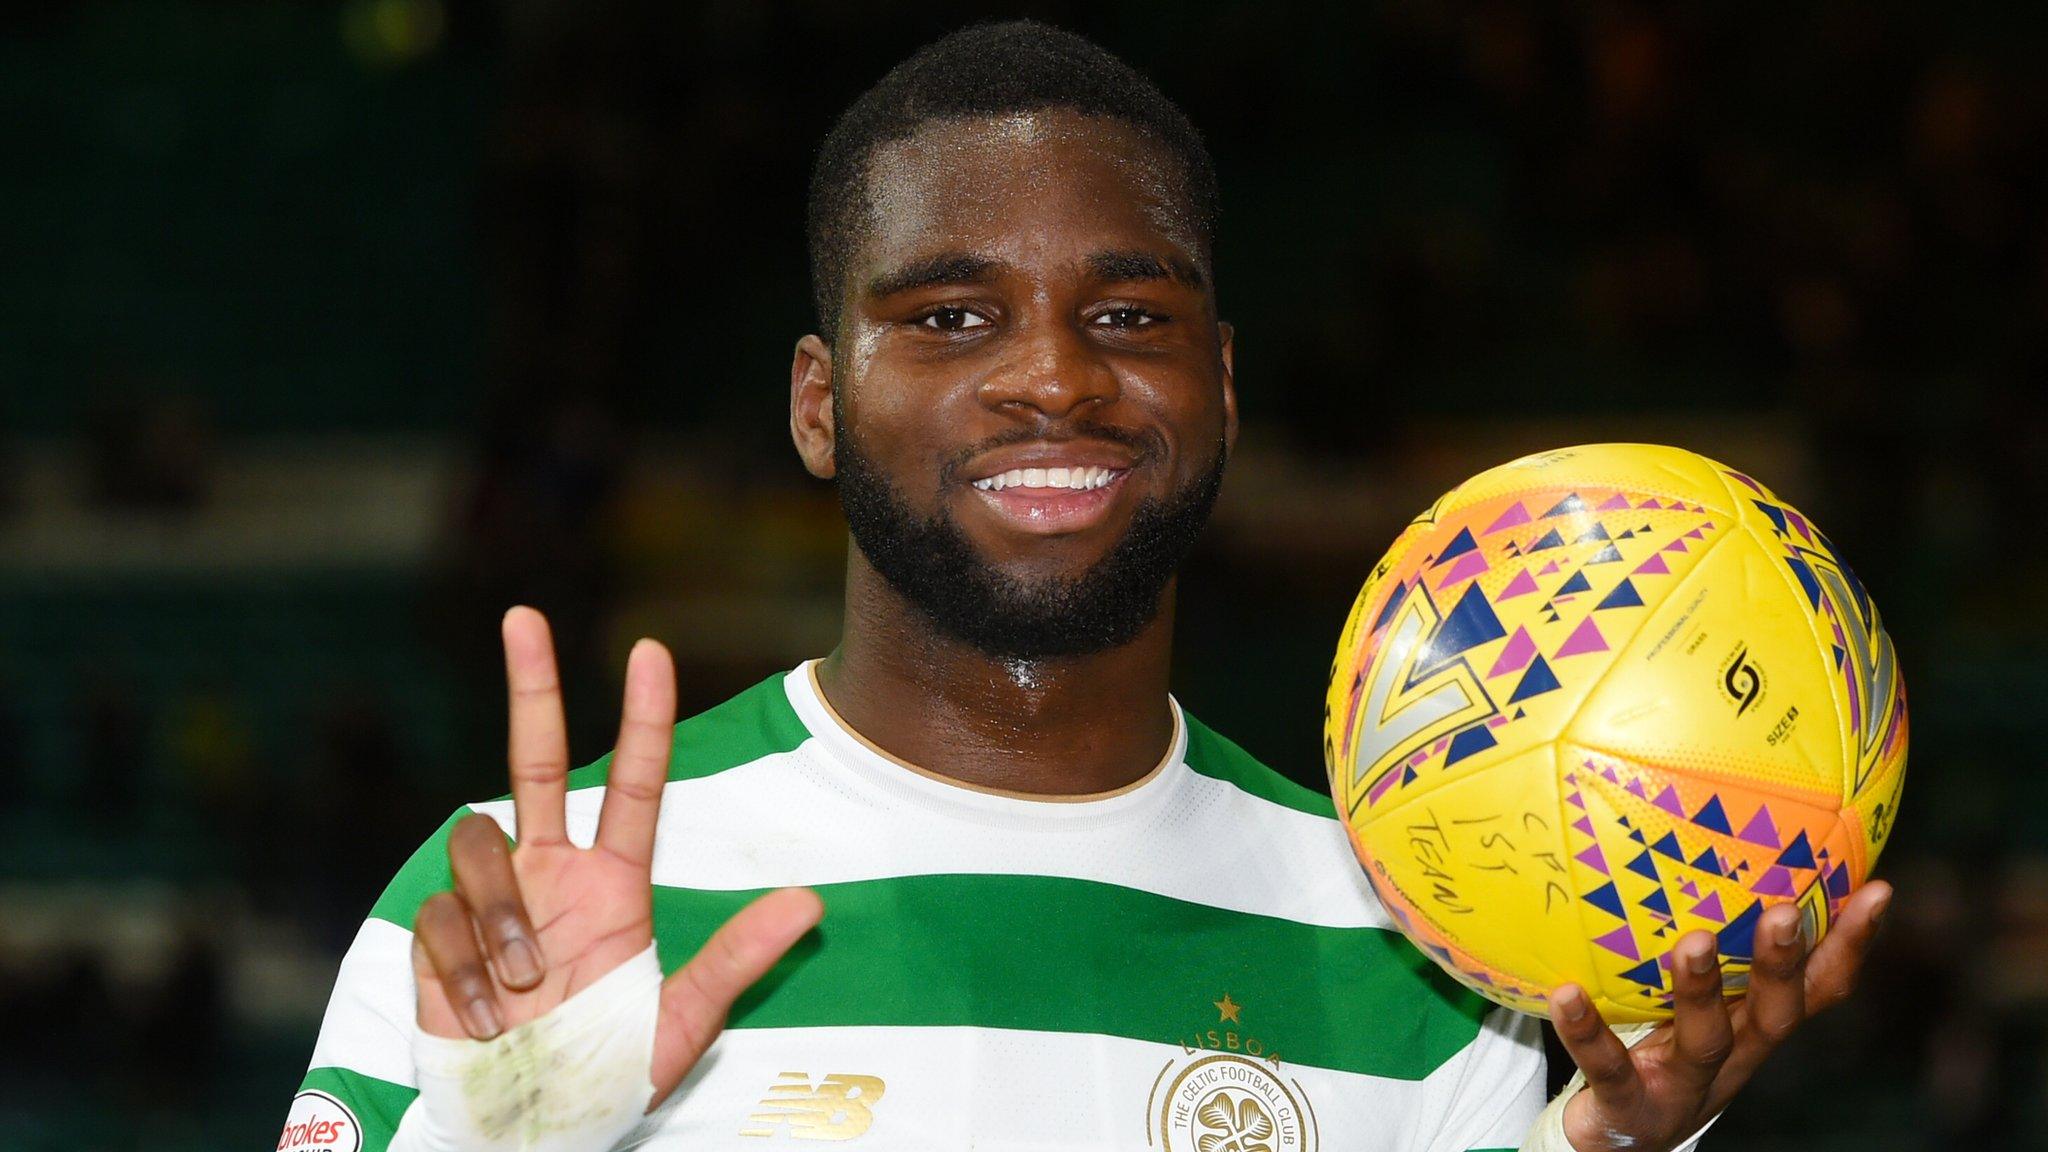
(1075, 479)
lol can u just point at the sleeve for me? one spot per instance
(361, 1077)
(1494, 1088)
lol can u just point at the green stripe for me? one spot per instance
(378, 1104)
(424, 873)
(1212, 755)
(1061, 955)
(758, 722)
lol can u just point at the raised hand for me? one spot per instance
(1651, 1097)
(527, 927)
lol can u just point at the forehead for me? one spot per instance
(1023, 180)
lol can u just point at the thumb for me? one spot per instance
(696, 998)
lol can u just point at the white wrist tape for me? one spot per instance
(575, 1080)
(1547, 1134)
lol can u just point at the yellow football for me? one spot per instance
(1596, 698)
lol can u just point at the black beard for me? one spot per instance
(933, 565)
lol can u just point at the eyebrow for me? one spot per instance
(944, 268)
(1116, 266)
(1132, 265)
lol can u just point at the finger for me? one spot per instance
(1599, 1053)
(1777, 979)
(443, 929)
(695, 1000)
(632, 795)
(484, 879)
(435, 1015)
(539, 744)
(1701, 1033)
(1836, 962)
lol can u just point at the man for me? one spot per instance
(1057, 911)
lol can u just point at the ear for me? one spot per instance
(1227, 337)
(810, 407)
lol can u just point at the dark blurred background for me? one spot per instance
(329, 330)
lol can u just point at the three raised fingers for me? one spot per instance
(482, 864)
(632, 796)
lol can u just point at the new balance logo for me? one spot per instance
(837, 1109)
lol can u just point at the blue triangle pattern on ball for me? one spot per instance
(1838, 883)
(1460, 545)
(1608, 900)
(1578, 583)
(1477, 738)
(1776, 514)
(1798, 854)
(1738, 937)
(1648, 974)
(1469, 625)
(1807, 582)
(1536, 680)
(1712, 815)
(1623, 596)
(1393, 605)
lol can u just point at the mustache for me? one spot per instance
(1144, 444)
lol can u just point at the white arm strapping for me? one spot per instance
(575, 1080)
(1547, 1134)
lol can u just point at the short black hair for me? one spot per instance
(1003, 69)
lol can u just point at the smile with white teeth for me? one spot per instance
(1077, 479)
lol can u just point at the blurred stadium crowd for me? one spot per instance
(330, 330)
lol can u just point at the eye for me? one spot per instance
(1127, 318)
(949, 318)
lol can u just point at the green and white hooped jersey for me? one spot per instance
(1191, 961)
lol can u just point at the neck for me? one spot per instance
(1066, 726)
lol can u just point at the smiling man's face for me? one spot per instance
(1032, 392)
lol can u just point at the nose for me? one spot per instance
(1049, 368)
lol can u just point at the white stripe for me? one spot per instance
(1493, 1092)
(371, 1019)
(803, 817)
(835, 811)
(1011, 1090)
